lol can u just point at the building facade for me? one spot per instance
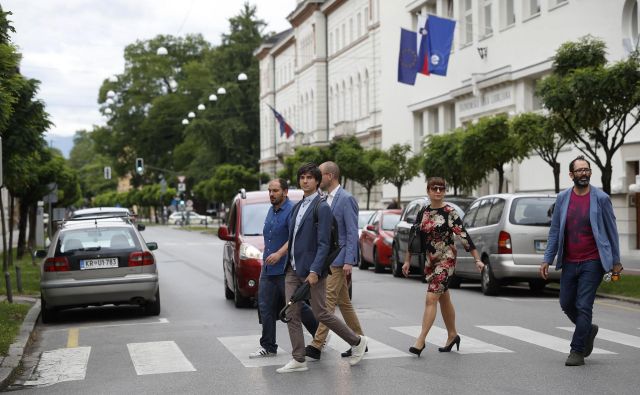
(329, 77)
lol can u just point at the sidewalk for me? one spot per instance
(10, 363)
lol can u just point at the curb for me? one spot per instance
(619, 298)
(9, 365)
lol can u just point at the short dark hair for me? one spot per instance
(579, 157)
(433, 181)
(284, 184)
(312, 169)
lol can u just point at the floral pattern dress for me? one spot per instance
(438, 228)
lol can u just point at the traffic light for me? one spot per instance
(140, 166)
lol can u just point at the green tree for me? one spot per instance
(90, 164)
(599, 104)
(397, 167)
(545, 135)
(302, 155)
(226, 181)
(366, 168)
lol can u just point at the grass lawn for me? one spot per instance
(12, 314)
(212, 230)
(628, 285)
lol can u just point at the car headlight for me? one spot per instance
(388, 241)
(247, 251)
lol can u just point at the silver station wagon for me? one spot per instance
(98, 261)
(510, 232)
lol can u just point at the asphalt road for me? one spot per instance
(199, 344)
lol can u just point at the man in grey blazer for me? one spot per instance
(308, 249)
(345, 210)
(584, 237)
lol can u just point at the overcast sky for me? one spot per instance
(71, 46)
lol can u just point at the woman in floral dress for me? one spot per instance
(439, 223)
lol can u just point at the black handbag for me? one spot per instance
(416, 244)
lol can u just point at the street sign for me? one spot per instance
(182, 187)
(182, 178)
(189, 203)
(107, 172)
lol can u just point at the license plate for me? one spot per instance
(541, 245)
(103, 263)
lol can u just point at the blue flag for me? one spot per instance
(408, 57)
(440, 38)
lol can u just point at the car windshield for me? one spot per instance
(363, 218)
(253, 216)
(389, 221)
(531, 211)
(95, 239)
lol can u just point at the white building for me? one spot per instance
(517, 40)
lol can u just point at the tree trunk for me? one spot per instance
(33, 211)
(606, 177)
(500, 178)
(23, 210)
(399, 195)
(11, 216)
(4, 235)
(556, 176)
(368, 196)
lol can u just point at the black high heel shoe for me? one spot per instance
(416, 351)
(448, 347)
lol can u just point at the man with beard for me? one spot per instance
(584, 237)
(271, 295)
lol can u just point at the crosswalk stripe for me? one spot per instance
(613, 336)
(242, 346)
(538, 338)
(376, 349)
(438, 336)
(64, 364)
(158, 357)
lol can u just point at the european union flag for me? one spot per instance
(408, 58)
(440, 38)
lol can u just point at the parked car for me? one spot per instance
(401, 237)
(461, 201)
(377, 238)
(193, 218)
(106, 212)
(510, 232)
(363, 219)
(97, 261)
(244, 244)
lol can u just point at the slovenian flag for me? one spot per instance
(439, 41)
(285, 128)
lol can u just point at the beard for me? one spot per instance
(582, 181)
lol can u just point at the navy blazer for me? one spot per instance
(603, 225)
(345, 210)
(312, 243)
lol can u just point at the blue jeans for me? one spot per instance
(578, 285)
(271, 298)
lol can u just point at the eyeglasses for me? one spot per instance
(582, 171)
(438, 189)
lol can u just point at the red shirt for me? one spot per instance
(580, 244)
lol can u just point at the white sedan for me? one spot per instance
(193, 218)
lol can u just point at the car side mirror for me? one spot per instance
(41, 253)
(152, 245)
(223, 233)
(410, 219)
(141, 227)
(370, 227)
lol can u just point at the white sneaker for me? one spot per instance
(293, 366)
(357, 351)
(262, 353)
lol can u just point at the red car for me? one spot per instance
(242, 254)
(376, 240)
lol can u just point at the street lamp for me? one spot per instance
(201, 107)
(108, 111)
(162, 51)
(213, 97)
(222, 91)
(242, 77)
(191, 114)
(111, 94)
(109, 102)
(185, 121)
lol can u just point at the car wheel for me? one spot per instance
(537, 286)
(396, 267)
(454, 282)
(228, 293)
(377, 267)
(47, 315)
(238, 299)
(153, 308)
(488, 282)
(364, 265)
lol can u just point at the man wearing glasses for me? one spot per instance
(584, 238)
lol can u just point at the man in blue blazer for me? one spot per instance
(584, 237)
(345, 210)
(308, 249)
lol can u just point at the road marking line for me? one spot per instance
(160, 321)
(72, 339)
(158, 357)
(612, 336)
(242, 346)
(376, 349)
(527, 299)
(438, 336)
(64, 364)
(538, 338)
